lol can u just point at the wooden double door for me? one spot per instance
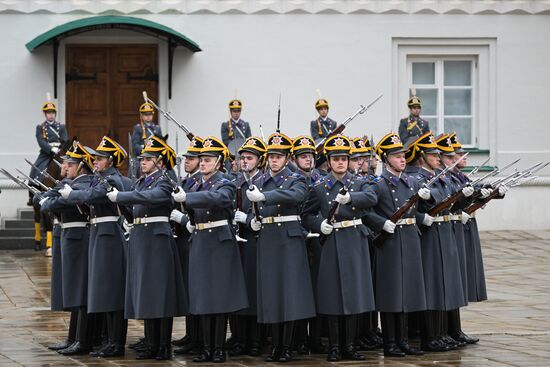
(104, 85)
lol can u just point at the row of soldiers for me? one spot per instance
(279, 243)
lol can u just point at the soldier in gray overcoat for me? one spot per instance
(399, 281)
(344, 284)
(244, 326)
(235, 131)
(106, 256)
(216, 280)
(155, 291)
(142, 131)
(284, 287)
(323, 125)
(413, 126)
(75, 238)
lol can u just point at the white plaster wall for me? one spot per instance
(348, 57)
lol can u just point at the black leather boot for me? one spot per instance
(115, 325)
(165, 339)
(254, 346)
(73, 322)
(206, 323)
(238, 335)
(403, 335)
(276, 341)
(286, 351)
(187, 338)
(220, 323)
(350, 327)
(82, 344)
(455, 329)
(151, 344)
(334, 339)
(316, 345)
(389, 335)
(428, 334)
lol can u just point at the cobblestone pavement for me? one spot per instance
(514, 325)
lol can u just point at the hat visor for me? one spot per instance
(460, 151)
(449, 154)
(98, 153)
(430, 151)
(191, 154)
(396, 150)
(148, 155)
(338, 154)
(67, 158)
(278, 151)
(302, 151)
(210, 154)
(253, 151)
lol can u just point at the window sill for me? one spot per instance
(477, 151)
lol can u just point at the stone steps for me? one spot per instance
(18, 233)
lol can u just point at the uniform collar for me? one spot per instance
(211, 181)
(394, 180)
(331, 180)
(279, 178)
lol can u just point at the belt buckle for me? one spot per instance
(446, 218)
(200, 226)
(347, 223)
(137, 220)
(269, 220)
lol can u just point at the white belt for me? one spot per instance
(473, 215)
(218, 223)
(146, 220)
(55, 221)
(97, 220)
(456, 217)
(405, 221)
(442, 218)
(281, 219)
(347, 223)
(73, 224)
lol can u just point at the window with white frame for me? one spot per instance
(447, 87)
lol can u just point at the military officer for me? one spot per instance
(398, 263)
(106, 255)
(321, 127)
(245, 329)
(216, 280)
(50, 135)
(192, 340)
(152, 253)
(75, 237)
(143, 130)
(284, 283)
(358, 155)
(235, 130)
(304, 154)
(413, 125)
(344, 283)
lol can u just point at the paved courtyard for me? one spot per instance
(514, 325)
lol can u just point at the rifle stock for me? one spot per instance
(447, 203)
(331, 214)
(381, 237)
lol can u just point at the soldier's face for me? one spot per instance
(148, 165)
(397, 161)
(50, 115)
(305, 161)
(70, 168)
(463, 163)
(369, 165)
(191, 164)
(147, 116)
(433, 160)
(236, 114)
(355, 164)
(339, 164)
(248, 161)
(276, 162)
(447, 160)
(102, 163)
(208, 165)
(415, 111)
(323, 112)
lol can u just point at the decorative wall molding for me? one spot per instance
(135, 7)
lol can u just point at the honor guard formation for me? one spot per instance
(318, 244)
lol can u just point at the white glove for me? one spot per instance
(255, 225)
(343, 199)
(42, 201)
(65, 191)
(55, 150)
(389, 226)
(502, 190)
(465, 217)
(112, 194)
(176, 216)
(485, 193)
(312, 235)
(428, 220)
(326, 228)
(240, 217)
(253, 194)
(179, 195)
(424, 193)
(468, 191)
(190, 228)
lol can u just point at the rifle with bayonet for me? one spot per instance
(476, 169)
(399, 213)
(279, 115)
(33, 181)
(254, 204)
(510, 180)
(44, 173)
(338, 130)
(22, 183)
(131, 159)
(169, 117)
